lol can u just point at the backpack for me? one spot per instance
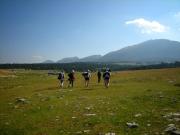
(85, 73)
(60, 76)
(107, 75)
(71, 76)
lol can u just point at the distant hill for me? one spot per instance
(68, 60)
(159, 50)
(92, 58)
(154, 51)
(48, 61)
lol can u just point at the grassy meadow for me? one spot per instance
(142, 96)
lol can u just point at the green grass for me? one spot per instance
(54, 111)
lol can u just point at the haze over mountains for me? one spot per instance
(158, 50)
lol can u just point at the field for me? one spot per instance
(32, 103)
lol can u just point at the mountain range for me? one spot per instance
(158, 50)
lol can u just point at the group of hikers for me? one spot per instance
(86, 75)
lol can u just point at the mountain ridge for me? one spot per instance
(156, 50)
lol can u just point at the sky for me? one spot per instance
(33, 31)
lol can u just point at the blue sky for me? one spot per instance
(37, 30)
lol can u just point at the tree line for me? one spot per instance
(82, 66)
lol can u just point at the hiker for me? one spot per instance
(99, 75)
(61, 79)
(71, 78)
(106, 77)
(86, 76)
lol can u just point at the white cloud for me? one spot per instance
(148, 27)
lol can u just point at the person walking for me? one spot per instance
(106, 77)
(61, 78)
(99, 75)
(71, 78)
(86, 76)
